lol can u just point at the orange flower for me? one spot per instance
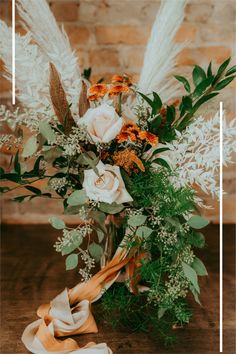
(117, 89)
(126, 79)
(127, 159)
(93, 98)
(163, 111)
(116, 78)
(97, 90)
(129, 131)
(149, 137)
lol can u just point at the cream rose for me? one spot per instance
(109, 187)
(103, 123)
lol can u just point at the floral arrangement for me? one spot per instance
(125, 162)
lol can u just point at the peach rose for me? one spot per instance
(103, 123)
(108, 187)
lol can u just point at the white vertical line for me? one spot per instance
(13, 53)
(221, 227)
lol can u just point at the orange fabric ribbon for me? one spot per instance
(69, 313)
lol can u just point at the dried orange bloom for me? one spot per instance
(98, 90)
(127, 159)
(93, 97)
(163, 111)
(176, 102)
(104, 155)
(117, 89)
(149, 137)
(126, 79)
(116, 78)
(129, 131)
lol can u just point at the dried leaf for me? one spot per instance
(59, 101)
(83, 101)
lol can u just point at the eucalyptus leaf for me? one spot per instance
(76, 237)
(197, 239)
(137, 220)
(57, 223)
(95, 251)
(161, 312)
(71, 261)
(68, 249)
(195, 294)
(144, 231)
(47, 131)
(99, 217)
(111, 208)
(30, 147)
(199, 267)
(100, 235)
(78, 197)
(191, 275)
(52, 154)
(197, 222)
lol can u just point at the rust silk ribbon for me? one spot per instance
(69, 313)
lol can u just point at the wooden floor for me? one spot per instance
(33, 273)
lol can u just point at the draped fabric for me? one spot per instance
(69, 313)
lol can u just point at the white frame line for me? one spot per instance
(13, 53)
(221, 169)
(221, 228)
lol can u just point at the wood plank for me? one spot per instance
(33, 273)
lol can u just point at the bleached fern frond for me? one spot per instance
(54, 43)
(195, 154)
(161, 51)
(31, 68)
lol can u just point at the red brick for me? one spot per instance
(125, 34)
(187, 32)
(77, 34)
(192, 56)
(65, 11)
(103, 58)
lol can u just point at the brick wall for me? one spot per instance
(111, 35)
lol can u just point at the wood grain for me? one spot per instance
(33, 273)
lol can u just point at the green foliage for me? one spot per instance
(96, 251)
(155, 189)
(197, 222)
(184, 82)
(206, 86)
(30, 147)
(57, 223)
(155, 103)
(137, 220)
(46, 130)
(71, 261)
(77, 198)
(87, 73)
(199, 267)
(123, 310)
(191, 275)
(112, 208)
